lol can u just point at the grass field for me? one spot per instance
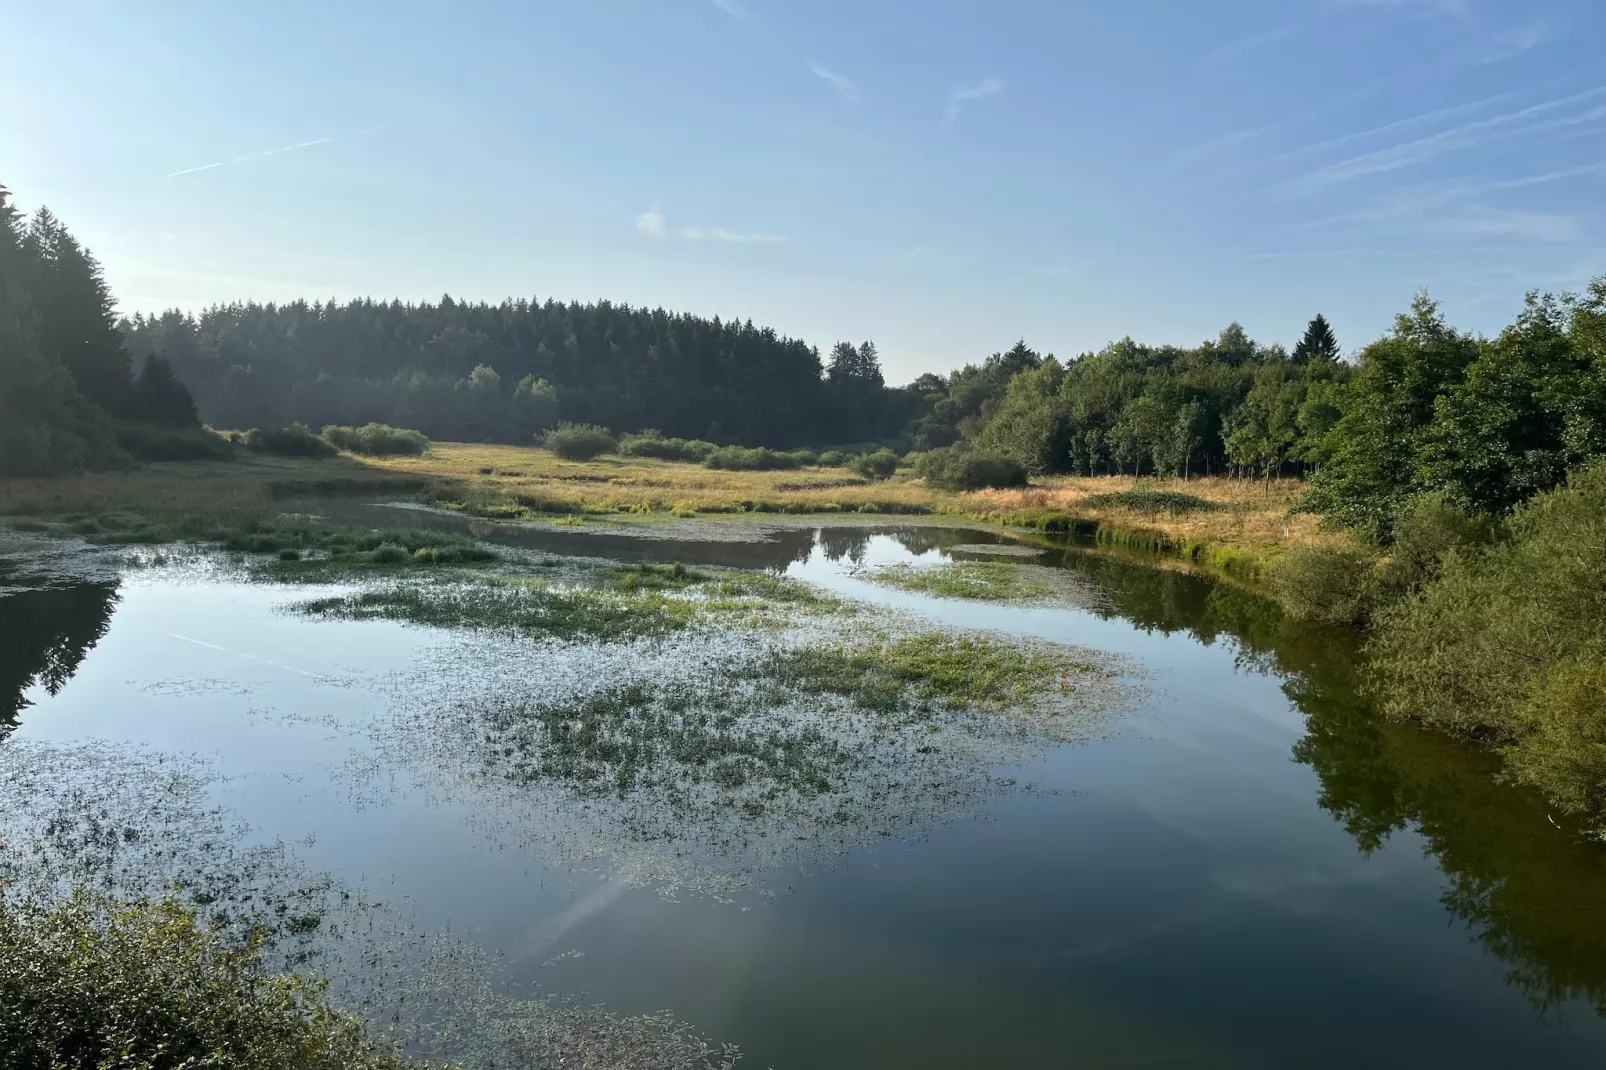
(1235, 526)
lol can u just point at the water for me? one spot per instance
(1249, 871)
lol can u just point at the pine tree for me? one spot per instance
(159, 397)
(1318, 343)
(867, 369)
(77, 325)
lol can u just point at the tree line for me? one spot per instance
(479, 372)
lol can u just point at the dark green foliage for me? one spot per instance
(159, 398)
(149, 442)
(1153, 501)
(737, 459)
(474, 372)
(88, 981)
(293, 441)
(1318, 342)
(654, 444)
(579, 442)
(952, 468)
(76, 326)
(377, 440)
(878, 465)
(1508, 642)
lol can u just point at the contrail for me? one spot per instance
(273, 152)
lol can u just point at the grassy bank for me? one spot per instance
(1230, 526)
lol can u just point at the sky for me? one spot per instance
(939, 176)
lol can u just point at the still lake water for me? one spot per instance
(1249, 871)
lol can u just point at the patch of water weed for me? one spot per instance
(913, 674)
(138, 826)
(527, 607)
(702, 763)
(985, 581)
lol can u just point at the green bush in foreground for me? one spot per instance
(654, 444)
(579, 442)
(957, 469)
(377, 440)
(1508, 644)
(740, 459)
(878, 465)
(1153, 501)
(293, 441)
(92, 982)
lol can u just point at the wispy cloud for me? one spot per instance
(1535, 118)
(1535, 226)
(1222, 55)
(721, 234)
(650, 224)
(281, 150)
(987, 87)
(734, 8)
(840, 82)
(655, 225)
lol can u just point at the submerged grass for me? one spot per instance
(986, 581)
(528, 607)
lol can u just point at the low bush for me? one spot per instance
(377, 440)
(956, 469)
(654, 444)
(1152, 501)
(293, 441)
(741, 459)
(1326, 585)
(150, 442)
(579, 442)
(92, 982)
(832, 458)
(1507, 644)
(878, 465)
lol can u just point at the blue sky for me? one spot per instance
(940, 176)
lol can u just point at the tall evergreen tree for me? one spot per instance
(1318, 342)
(77, 324)
(159, 397)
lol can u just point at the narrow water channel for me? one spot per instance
(1245, 869)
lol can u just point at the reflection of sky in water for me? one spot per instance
(1171, 894)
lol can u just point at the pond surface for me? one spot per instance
(1246, 869)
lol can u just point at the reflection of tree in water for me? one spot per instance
(850, 543)
(1532, 894)
(46, 634)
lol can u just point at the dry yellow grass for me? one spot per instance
(1249, 516)
(1249, 526)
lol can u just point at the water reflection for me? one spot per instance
(44, 635)
(1530, 889)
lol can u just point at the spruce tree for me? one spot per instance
(1318, 343)
(77, 325)
(159, 397)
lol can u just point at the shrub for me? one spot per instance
(92, 982)
(150, 442)
(653, 444)
(740, 459)
(805, 458)
(1507, 644)
(1332, 586)
(956, 469)
(579, 442)
(377, 440)
(292, 441)
(831, 458)
(1153, 501)
(878, 465)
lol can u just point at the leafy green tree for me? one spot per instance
(1531, 406)
(1374, 451)
(1265, 428)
